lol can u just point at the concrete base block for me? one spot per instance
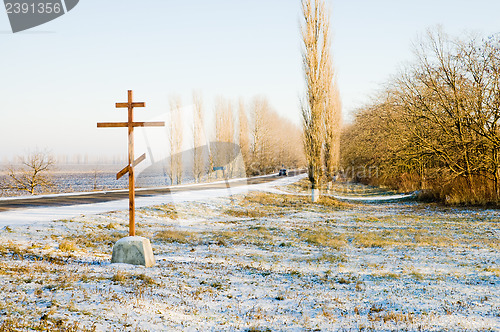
(134, 250)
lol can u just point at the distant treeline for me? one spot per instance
(246, 138)
(436, 125)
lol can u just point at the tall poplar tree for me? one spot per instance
(318, 74)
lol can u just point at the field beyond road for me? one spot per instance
(260, 261)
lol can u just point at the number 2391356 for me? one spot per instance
(33, 8)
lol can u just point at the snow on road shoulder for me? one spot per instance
(369, 199)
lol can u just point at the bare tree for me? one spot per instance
(175, 171)
(482, 63)
(32, 173)
(318, 71)
(96, 172)
(244, 134)
(261, 136)
(333, 118)
(275, 141)
(224, 133)
(258, 134)
(437, 125)
(198, 138)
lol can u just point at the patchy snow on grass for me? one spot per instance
(257, 259)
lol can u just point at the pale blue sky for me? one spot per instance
(59, 79)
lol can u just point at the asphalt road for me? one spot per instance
(99, 197)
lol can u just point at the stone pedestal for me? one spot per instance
(134, 250)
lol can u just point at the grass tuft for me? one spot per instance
(67, 246)
(172, 235)
(323, 237)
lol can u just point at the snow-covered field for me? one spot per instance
(258, 260)
(75, 178)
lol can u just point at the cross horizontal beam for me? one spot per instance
(126, 105)
(132, 124)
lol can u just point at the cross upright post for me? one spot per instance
(131, 178)
(130, 124)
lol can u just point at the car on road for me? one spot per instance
(282, 172)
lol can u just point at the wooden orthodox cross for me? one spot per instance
(131, 162)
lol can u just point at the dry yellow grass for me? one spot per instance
(493, 269)
(323, 237)
(164, 211)
(46, 323)
(245, 213)
(172, 235)
(67, 246)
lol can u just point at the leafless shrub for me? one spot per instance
(32, 172)
(436, 126)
